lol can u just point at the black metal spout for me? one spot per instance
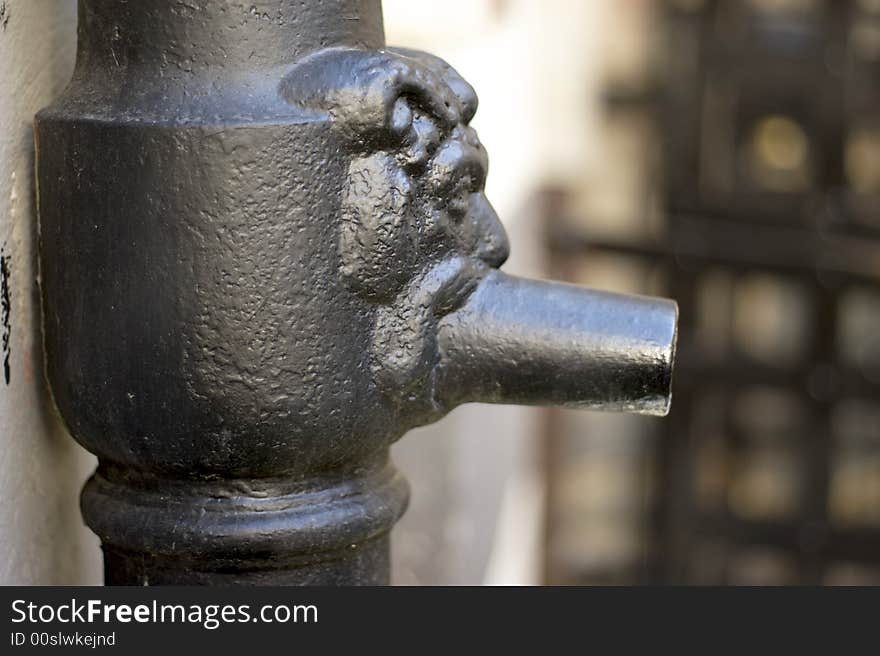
(531, 342)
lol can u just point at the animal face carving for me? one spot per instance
(417, 233)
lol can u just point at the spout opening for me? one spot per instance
(664, 401)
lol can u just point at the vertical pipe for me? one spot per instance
(188, 293)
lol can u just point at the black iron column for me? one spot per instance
(265, 255)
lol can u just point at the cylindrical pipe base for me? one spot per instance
(330, 530)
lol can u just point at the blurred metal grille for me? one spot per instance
(766, 175)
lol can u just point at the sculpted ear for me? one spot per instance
(463, 91)
(359, 92)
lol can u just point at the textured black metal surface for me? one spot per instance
(258, 226)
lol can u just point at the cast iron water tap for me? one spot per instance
(265, 255)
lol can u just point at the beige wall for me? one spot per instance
(42, 538)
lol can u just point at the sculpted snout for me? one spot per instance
(421, 243)
(490, 243)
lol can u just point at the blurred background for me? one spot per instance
(725, 153)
